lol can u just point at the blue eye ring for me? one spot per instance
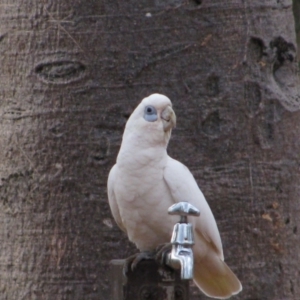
(150, 113)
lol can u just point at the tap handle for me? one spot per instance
(183, 209)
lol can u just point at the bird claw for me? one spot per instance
(161, 253)
(132, 261)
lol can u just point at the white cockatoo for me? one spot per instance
(146, 181)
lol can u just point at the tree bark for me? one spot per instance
(71, 73)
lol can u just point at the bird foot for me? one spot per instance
(161, 253)
(131, 262)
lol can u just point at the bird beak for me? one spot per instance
(168, 118)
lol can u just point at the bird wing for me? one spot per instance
(112, 198)
(183, 187)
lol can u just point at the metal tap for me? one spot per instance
(181, 255)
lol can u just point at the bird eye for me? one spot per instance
(149, 110)
(150, 114)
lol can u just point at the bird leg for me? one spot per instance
(132, 261)
(161, 253)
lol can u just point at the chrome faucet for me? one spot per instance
(181, 255)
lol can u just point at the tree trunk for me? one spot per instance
(72, 71)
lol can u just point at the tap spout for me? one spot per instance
(182, 257)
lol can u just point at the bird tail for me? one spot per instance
(215, 279)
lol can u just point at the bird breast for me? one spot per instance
(143, 202)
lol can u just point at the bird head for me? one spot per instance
(152, 120)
